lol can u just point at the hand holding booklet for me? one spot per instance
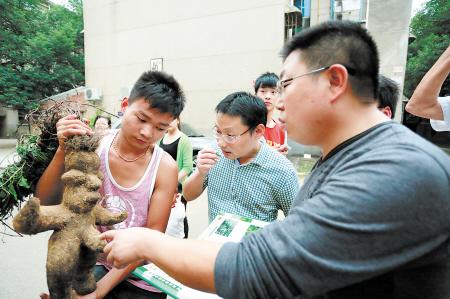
(224, 228)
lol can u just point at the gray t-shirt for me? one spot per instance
(371, 221)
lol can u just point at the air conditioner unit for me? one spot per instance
(92, 94)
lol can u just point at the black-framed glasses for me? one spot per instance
(281, 85)
(228, 138)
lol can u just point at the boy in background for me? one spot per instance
(266, 90)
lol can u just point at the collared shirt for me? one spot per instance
(442, 125)
(255, 190)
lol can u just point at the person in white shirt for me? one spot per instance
(425, 101)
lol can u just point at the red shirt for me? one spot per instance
(275, 136)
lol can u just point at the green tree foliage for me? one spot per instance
(431, 27)
(41, 50)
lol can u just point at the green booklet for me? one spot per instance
(224, 228)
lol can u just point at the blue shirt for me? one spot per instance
(255, 190)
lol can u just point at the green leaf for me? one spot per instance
(24, 183)
(12, 190)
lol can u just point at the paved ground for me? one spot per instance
(22, 264)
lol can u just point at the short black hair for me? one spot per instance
(108, 119)
(252, 110)
(266, 80)
(341, 42)
(388, 93)
(161, 91)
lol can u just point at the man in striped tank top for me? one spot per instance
(139, 177)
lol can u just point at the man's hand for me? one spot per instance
(283, 149)
(70, 126)
(206, 159)
(44, 296)
(127, 245)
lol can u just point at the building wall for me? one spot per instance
(212, 48)
(320, 11)
(215, 50)
(388, 22)
(9, 121)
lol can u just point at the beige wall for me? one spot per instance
(391, 35)
(320, 11)
(211, 47)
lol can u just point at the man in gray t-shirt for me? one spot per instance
(371, 221)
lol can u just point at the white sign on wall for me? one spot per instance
(156, 64)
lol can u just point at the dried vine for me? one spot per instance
(34, 153)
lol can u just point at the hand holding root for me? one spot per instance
(70, 126)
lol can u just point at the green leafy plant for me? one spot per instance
(41, 50)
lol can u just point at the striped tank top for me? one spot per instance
(135, 200)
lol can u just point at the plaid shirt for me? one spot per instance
(255, 190)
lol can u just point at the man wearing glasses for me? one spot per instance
(372, 220)
(244, 175)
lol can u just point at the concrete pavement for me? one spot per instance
(22, 264)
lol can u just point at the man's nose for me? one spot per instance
(147, 131)
(220, 142)
(280, 104)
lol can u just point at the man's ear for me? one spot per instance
(338, 80)
(124, 104)
(387, 111)
(259, 130)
